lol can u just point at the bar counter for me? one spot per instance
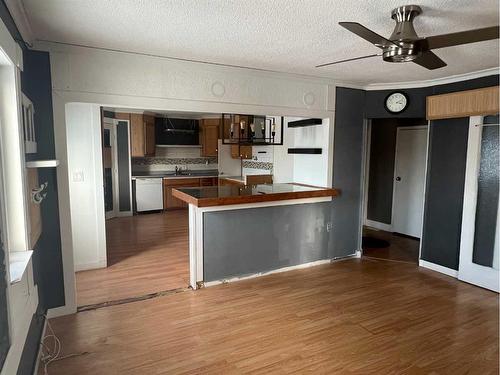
(233, 194)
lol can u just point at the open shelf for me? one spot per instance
(306, 122)
(306, 151)
(42, 163)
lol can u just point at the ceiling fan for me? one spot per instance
(404, 45)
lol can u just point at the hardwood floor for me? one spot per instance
(358, 316)
(146, 254)
(401, 249)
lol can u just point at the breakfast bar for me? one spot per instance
(244, 231)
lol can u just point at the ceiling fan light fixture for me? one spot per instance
(404, 53)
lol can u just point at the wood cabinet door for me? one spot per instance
(150, 138)
(209, 136)
(241, 152)
(137, 144)
(171, 202)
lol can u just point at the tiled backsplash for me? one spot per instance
(167, 158)
(257, 165)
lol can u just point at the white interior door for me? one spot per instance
(479, 242)
(409, 180)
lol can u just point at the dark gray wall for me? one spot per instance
(375, 101)
(444, 191)
(381, 171)
(47, 256)
(446, 179)
(347, 171)
(4, 317)
(242, 242)
(122, 145)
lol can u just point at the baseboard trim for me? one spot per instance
(39, 355)
(378, 225)
(436, 267)
(60, 311)
(279, 270)
(90, 266)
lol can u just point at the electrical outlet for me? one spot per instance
(329, 226)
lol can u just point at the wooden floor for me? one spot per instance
(146, 254)
(358, 316)
(401, 249)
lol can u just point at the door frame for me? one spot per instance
(114, 169)
(468, 271)
(417, 127)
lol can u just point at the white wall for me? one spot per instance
(126, 80)
(305, 169)
(86, 185)
(312, 169)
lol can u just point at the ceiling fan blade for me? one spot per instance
(429, 60)
(462, 37)
(366, 34)
(346, 60)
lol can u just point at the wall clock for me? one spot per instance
(396, 102)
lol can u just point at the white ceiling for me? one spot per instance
(280, 35)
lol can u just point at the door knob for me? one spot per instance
(398, 178)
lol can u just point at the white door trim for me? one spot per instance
(486, 277)
(398, 130)
(114, 169)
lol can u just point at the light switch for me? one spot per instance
(78, 176)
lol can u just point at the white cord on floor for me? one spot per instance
(49, 355)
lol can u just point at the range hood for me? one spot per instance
(176, 131)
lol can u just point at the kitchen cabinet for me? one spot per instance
(241, 152)
(171, 202)
(209, 136)
(142, 135)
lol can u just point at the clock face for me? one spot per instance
(396, 102)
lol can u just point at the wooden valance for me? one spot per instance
(479, 102)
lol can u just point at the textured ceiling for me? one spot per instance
(280, 35)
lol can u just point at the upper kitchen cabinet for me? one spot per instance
(209, 136)
(142, 135)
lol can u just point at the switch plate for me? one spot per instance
(329, 226)
(78, 176)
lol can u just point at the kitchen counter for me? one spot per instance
(232, 194)
(173, 175)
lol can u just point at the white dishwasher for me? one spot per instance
(149, 194)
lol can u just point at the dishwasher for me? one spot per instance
(149, 194)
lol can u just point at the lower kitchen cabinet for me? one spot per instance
(170, 202)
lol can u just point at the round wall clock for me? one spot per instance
(396, 102)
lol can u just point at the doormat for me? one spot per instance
(374, 243)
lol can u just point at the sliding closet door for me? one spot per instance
(479, 247)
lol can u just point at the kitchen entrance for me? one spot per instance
(394, 190)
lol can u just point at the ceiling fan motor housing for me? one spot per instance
(407, 47)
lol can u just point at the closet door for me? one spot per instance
(479, 244)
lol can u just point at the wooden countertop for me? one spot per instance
(225, 195)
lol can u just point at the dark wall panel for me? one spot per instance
(347, 171)
(445, 191)
(381, 175)
(487, 195)
(242, 242)
(47, 257)
(4, 317)
(122, 145)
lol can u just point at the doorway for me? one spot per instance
(396, 153)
